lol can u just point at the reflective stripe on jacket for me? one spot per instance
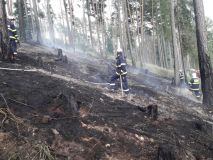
(195, 84)
(121, 66)
(181, 75)
(12, 32)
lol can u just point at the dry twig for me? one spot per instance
(14, 118)
(43, 152)
(5, 115)
(21, 103)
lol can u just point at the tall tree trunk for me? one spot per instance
(84, 20)
(120, 31)
(85, 36)
(71, 21)
(10, 7)
(63, 23)
(32, 19)
(138, 37)
(98, 36)
(21, 19)
(142, 35)
(153, 37)
(50, 22)
(132, 34)
(204, 60)
(68, 24)
(37, 26)
(3, 28)
(98, 19)
(103, 24)
(174, 45)
(182, 56)
(28, 23)
(128, 31)
(90, 23)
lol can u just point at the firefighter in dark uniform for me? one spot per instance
(13, 37)
(195, 85)
(121, 72)
(181, 76)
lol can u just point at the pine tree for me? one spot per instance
(50, 22)
(3, 29)
(37, 25)
(21, 19)
(204, 60)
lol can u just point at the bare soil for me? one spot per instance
(54, 110)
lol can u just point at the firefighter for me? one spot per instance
(181, 76)
(195, 85)
(121, 72)
(13, 37)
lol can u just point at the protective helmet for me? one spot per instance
(119, 50)
(194, 75)
(192, 70)
(11, 17)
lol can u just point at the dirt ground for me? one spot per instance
(53, 110)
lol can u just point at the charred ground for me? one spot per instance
(53, 110)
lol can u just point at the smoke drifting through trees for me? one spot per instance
(151, 32)
(131, 21)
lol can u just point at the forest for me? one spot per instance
(56, 96)
(166, 28)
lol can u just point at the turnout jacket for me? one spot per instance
(12, 32)
(195, 84)
(181, 75)
(121, 65)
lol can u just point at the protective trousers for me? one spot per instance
(124, 82)
(13, 46)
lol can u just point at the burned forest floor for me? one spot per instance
(55, 110)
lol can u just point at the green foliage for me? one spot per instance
(168, 73)
(164, 18)
(27, 26)
(186, 26)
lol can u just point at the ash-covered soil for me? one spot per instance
(53, 110)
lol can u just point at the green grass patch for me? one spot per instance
(163, 72)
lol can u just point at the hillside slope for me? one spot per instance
(53, 110)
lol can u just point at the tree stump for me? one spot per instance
(198, 126)
(152, 111)
(65, 59)
(39, 61)
(166, 152)
(68, 103)
(60, 53)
